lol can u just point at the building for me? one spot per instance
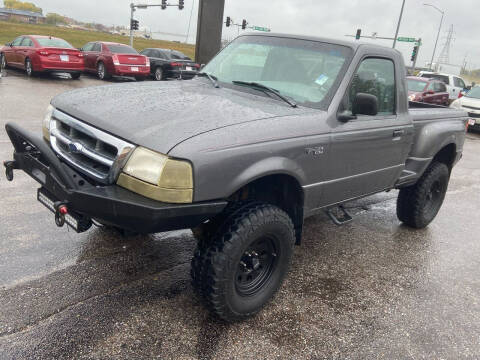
(22, 16)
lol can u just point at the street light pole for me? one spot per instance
(132, 8)
(438, 34)
(398, 25)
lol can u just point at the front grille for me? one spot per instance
(93, 152)
(473, 115)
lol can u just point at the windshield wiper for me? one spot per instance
(266, 88)
(212, 78)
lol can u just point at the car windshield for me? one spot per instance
(474, 93)
(306, 71)
(53, 42)
(416, 85)
(442, 78)
(122, 49)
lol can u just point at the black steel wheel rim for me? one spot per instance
(433, 197)
(256, 266)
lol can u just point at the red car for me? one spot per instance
(107, 59)
(37, 54)
(427, 90)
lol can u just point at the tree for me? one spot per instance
(54, 19)
(20, 5)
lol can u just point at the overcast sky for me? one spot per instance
(327, 18)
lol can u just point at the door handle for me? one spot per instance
(397, 133)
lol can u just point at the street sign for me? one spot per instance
(259, 28)
(406, 39)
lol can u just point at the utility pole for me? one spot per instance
(398, 24)
(438, 34)
(132, 10)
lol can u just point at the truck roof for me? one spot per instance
(351, 44)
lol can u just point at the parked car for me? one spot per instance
(455, 84)
(427, 91)
(165, 63)
(107, 59)
(470, 102)
(274, 129)
(41, 54)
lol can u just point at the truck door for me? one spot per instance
(368, 153)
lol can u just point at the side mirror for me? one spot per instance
(365, 104)
(8, 44)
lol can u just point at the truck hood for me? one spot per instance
(159, 115)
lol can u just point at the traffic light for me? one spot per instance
(244, 24)
(359, 32)
(414, 53)
(134, 25)
(228, 22)
(181, 4)
(164, 4)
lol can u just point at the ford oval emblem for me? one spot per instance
(75, 148)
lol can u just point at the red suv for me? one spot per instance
(107, 59)
(35, 54)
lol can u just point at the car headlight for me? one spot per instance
(46, 123)
(456, 104)
(411, 97)
(157, 177)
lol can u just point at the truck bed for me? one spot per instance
(425, 112)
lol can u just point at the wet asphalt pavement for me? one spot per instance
(372, 289)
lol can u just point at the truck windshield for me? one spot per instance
(416, 85)
(442, 78)
(306, 71)
(474, 93)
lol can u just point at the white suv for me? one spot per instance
(455, 84)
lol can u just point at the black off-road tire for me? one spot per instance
(204, 234)
(232, 293)
(417, 205)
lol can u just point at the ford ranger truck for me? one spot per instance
(274, 129)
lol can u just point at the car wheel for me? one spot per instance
(3, 62)
(246, 262)
(158, 74)
(140, 78)
(29, 68)
(102, 71)
(417, 205)
(76, 76)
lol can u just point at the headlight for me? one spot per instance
(456, 104)
(411, 97)
(46, 123)
(158, 177)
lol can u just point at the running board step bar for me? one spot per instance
(339, 215)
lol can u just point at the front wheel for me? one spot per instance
(417, 205)
(247, 261)
(3, 62)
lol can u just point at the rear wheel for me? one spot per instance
(3, 62)
(158, 74)
(76, 76)
(246, 262)
(102, 71)
(29, 68)
(417, 205)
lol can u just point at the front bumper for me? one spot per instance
(110, 204)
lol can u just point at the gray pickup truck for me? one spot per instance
(274, 129)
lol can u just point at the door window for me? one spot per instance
(375, 76)
(439, 87)
(431, 86)
(147, 53)
(458, 82)
(88, 47)
(97, 47)
(17, 41)
(27, 42)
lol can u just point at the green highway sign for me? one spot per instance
(406, 39)
(259, 28)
